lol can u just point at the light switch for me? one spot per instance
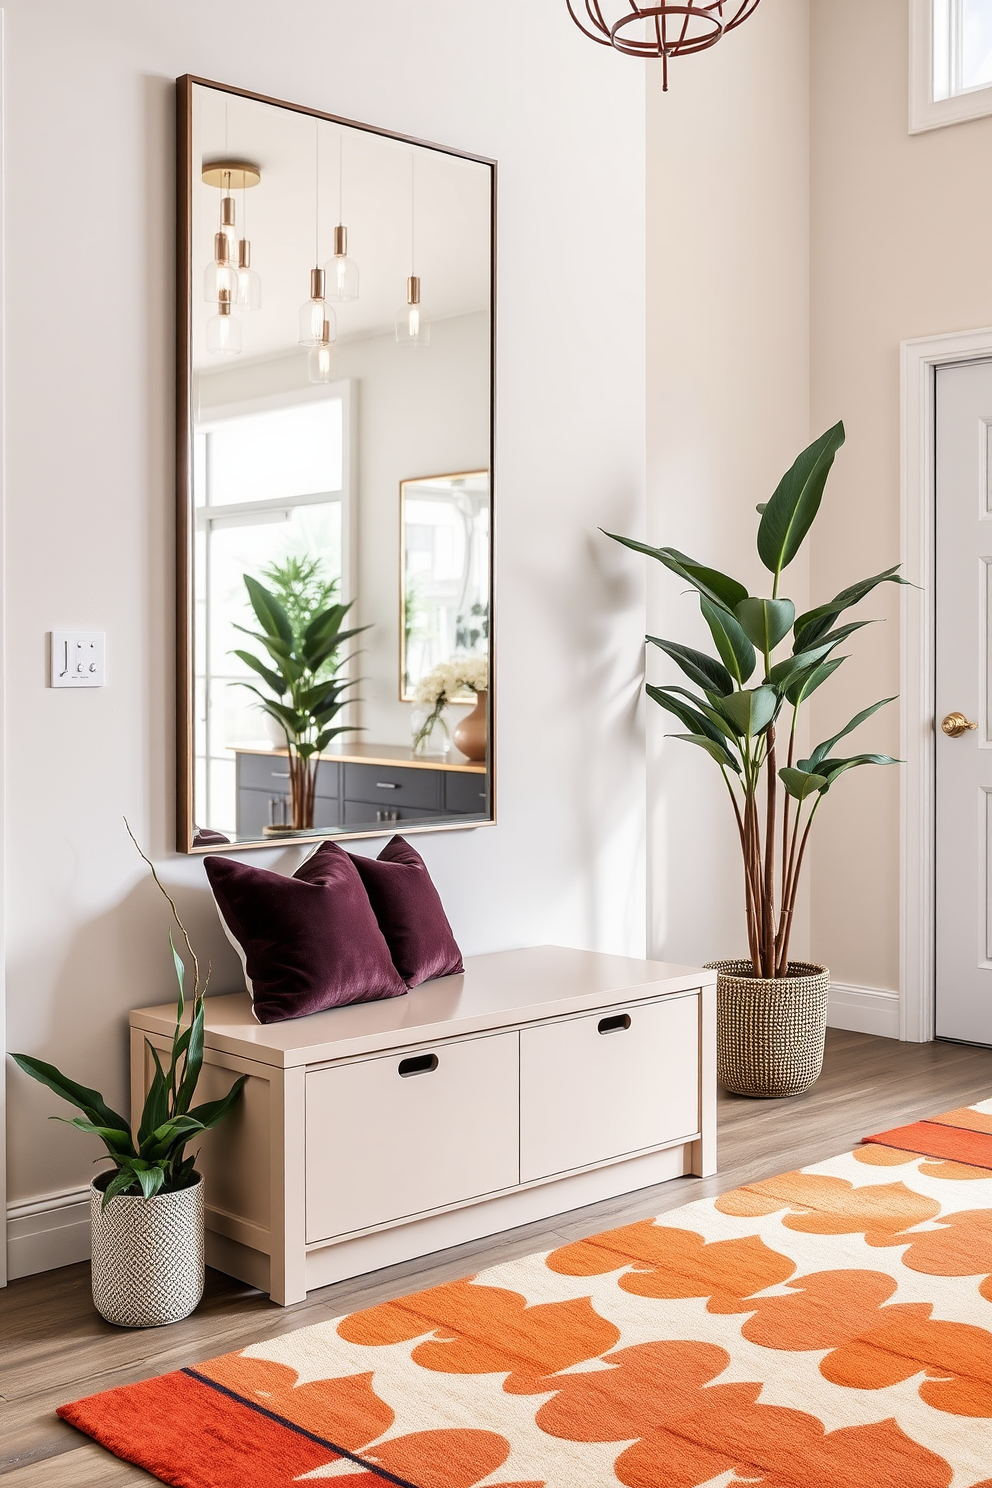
(78, 658)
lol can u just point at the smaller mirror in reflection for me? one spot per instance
(444, 537)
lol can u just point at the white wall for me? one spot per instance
(901, 234)
(89, 496)
(728, 404)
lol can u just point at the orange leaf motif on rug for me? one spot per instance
(873, 1345)
(685, 1430)
(819, 1204)
(672, 1263)
(485, 1330)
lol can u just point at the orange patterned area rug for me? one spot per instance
(828, 1328)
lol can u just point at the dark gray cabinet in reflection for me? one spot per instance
(367, 789)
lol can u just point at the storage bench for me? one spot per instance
(537, 1081)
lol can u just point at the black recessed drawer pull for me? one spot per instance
(387, 785)
(418, 1064)
(617, 1024)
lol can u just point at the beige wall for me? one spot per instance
(89, 485)
(728, 358)
(901, 228)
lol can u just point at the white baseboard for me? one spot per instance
(48, 1232)
(863, 1010)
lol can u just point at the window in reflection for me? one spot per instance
(445, 536)
(270, 503)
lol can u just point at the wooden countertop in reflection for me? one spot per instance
(377, 754)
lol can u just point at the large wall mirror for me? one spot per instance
(335, 438)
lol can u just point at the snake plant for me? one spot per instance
(749, 696)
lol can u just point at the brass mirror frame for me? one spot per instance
(185, 278)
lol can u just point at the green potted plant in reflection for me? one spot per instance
(302, 638)
(146, 1211)
(771, 1012)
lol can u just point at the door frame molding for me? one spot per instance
(920, 359)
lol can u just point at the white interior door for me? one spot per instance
(964, 746)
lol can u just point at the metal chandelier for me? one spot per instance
(659, 30)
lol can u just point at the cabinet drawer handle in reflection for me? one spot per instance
(617, 1024)
(386, 785)
(418, 1064)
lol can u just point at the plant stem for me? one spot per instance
(771, 787)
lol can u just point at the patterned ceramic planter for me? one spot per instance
(147, 1256)
(770, 1032)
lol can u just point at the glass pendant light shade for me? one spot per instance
(249, 296)
(220, 276)
(341, 272)
(413, 322)
(321, 358)
(224, 329)
(317, 321)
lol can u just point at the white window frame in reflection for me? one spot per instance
(209, 517)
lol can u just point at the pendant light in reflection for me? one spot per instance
(249, 280)
(341, 272)
(413, 323)
(321, 358)
(318, 327)
(224, 329)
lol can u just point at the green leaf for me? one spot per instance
(213, 1112)
(784, 673)
(122, 1180)
(271, 615)
(801, 783)
(789, 514)
(194, 1061)
(817, 622)
(832, 768)
(750, 711)
(116, 1140)
(268, 676)
(717, 586)
(710, 675)
(802, 686)
(830, 639)
(766, 622)
(156, 1101)
(736, 651)
(90, 1102)
(691, 716)
(716, 751)
(822, 750)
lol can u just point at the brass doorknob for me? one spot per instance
(955, 724)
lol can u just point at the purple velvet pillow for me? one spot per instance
(410, 913)
(308, 942)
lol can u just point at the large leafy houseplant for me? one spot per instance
(747, 725)
(152, 1159)
(303, 641)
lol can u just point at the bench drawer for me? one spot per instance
(410, 1132)
(596, 1087)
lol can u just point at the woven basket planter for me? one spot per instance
(147, 1256)
(769, 1033)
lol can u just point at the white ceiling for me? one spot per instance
(452, 217)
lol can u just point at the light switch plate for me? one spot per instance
(78, 658)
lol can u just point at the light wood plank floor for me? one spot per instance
(54, 1347)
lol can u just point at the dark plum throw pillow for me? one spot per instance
(307, 943)
(410, 913)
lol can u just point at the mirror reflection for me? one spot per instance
(336, 314)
